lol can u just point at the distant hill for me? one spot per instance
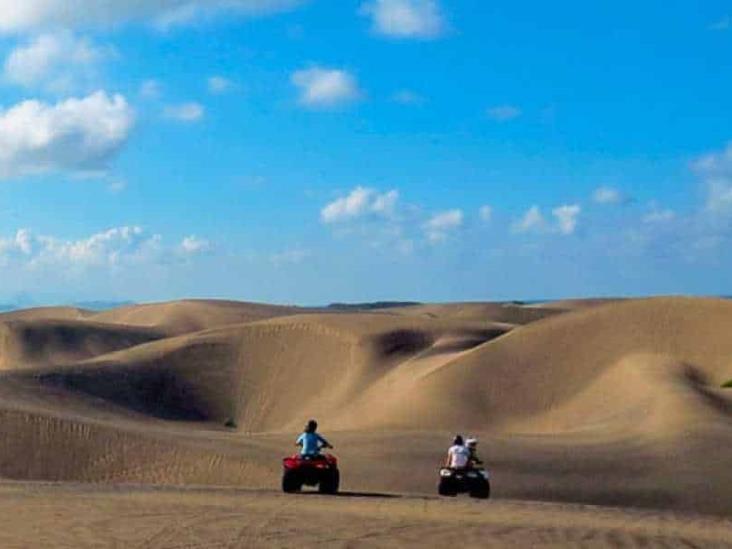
(102, 305)
(371, 306)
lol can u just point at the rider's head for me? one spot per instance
(472, 443)
(312, 426)
(458, 441)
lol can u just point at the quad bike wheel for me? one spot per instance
(446, 487)
(481, 490)
(330, 483)
(291, 482)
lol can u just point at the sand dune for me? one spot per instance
(538, 368)
(47, 313)
(179, 317)
(584, 406)
(34, 342)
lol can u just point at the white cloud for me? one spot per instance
(193, 245)
(503, 113)
(118, 247)
(185, 112)
(322, 87)
(486, 213)
(107, 248)
(56, 62)
(532, 220)
(405, 18)
(28, 15)
(440, 225)
(72, 135)
(151, 89)
(566, 217)
(608, 195)
(218, 85)
(360, 202)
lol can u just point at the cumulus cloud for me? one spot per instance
(405, 18)
(359, 203)
(118, 247)
(193, 245)
(532, 220)
(608, 195)
(503, 113)
(322, 87)
(567, 217)
(72, 135)
(30, 15)
(439, 226)
(107, 248)
(185, 112)
(57, 62)
(218, 85)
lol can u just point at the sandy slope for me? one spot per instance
(613, 403)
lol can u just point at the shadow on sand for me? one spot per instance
(353, 495)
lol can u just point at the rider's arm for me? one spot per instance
(324, 443)
(299, 440)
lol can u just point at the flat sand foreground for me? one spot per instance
(79, 516)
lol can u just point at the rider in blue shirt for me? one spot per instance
(311, 442)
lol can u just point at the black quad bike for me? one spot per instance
(473, 480)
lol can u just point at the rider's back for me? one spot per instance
(458, 457)
(310, 443)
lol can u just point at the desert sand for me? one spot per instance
(603, 423)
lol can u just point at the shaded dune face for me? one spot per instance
(28, 343)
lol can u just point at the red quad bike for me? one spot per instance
(473, 480)
(320, 471)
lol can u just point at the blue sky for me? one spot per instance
(314, 151)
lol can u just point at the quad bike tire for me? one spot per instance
(481, 490)
(291, 482)
(446, 488)
(330, 483)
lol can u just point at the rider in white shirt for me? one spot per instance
(458, 456)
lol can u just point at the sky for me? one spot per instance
(316, 151)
